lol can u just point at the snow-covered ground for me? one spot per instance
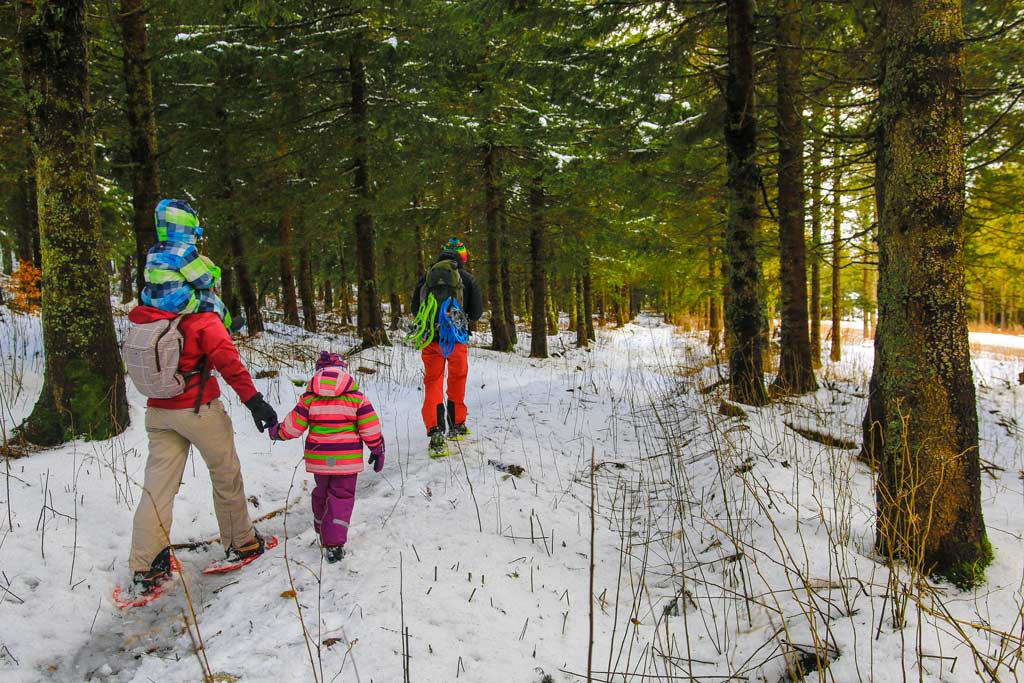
(723, 548)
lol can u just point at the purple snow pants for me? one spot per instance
(333, 499)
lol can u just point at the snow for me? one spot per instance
(720, 544)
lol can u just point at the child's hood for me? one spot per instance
(332, 381)
(176, 221)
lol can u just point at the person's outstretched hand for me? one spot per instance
(377, 460)
(262, 413)
(274, 432)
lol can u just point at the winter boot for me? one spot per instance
(438, 446)
(158, 572)
(253, 549)
(334, 553)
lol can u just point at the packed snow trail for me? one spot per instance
(711, 533)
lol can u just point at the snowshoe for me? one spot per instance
(438, 445)
(239, 557)
(458, 432)
(149, 585)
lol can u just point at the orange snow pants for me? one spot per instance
(434, 408)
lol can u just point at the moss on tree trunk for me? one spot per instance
(921, 428)
(83, 387)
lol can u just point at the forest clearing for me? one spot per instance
(512, 340)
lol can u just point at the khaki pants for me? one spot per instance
(171, 433)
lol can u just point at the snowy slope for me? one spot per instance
(721, 544)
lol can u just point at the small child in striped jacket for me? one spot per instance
(339, 419)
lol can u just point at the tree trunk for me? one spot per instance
(539, 281)
(922, 425)
(83, 389)
(572, 304)
(506, 282)
(552, 314)
(127, 278)
(344, 291)
(581, 323)
(981, 305)
(253, 316)
(500, 338)
(289, 303)
(796, 372)
(371, 317)
(744, 308)
(26, 214)
(836, 350)
(816, 250)
(714, 328)
(421, 265)
(306, 289)
(145, 167)
(227, 286)
(328, 295)
(225, 196)
(396, 309)
(588, 302)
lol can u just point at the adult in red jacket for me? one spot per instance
(195, 418)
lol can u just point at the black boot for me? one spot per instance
(158, 572)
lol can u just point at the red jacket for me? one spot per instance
(204, 334)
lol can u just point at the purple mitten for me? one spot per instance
(273, 432)
(377, 460)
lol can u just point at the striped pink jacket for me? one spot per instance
(340, 420)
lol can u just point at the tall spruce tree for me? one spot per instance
(141, 114)
(921, 427)
(744, 308)
(83, 385)
(796, 372)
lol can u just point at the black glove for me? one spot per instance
(262, 413)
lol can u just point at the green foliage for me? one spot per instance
(968, 575)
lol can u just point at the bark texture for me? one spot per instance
(306, 291)
(796, 373)
(145, 167)
(816, 254)
(289, 303)
(371, 317)
(921, 428)
(500, 338)
(743, 308)
(539, 277)
(83, 391)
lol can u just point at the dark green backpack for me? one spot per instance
(443, 281)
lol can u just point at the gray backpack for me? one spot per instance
(151, 354)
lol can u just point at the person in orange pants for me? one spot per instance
(436, 410)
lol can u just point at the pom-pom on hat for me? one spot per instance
(328, 360)
(455, 246)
